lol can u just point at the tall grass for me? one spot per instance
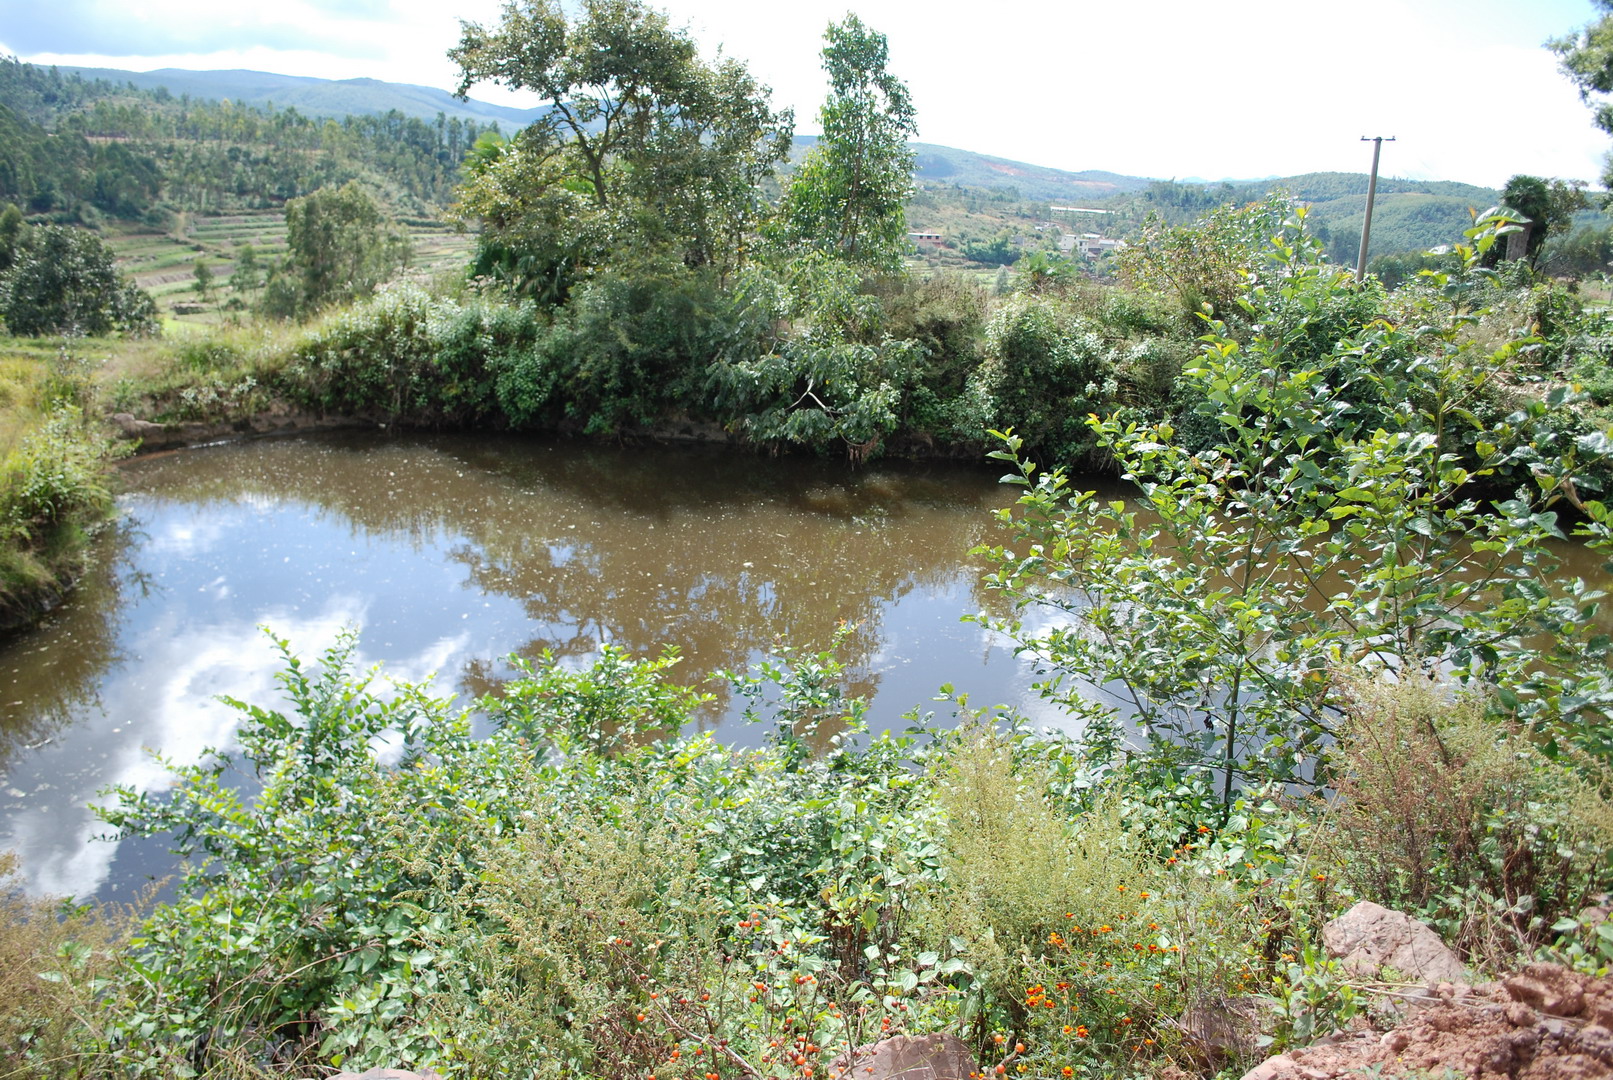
(53, 483)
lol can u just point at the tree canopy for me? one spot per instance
(646, 149)
(1587, 59)
(1549, 206)
(340, 246)
(62, 280)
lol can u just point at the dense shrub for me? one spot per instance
(633, 348)
(563, 897)
(477, 345)
(1045, 372)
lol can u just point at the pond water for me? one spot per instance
(449, 553)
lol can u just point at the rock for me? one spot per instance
(1486, 1034)
(1281, 1066)
(1550, 988)
(908, 1057)
(131, 428)
(1370, 937)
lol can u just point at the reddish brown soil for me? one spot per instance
(1544, 1023)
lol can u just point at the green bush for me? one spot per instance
(476, 345)
(55, 478)
(374, 360)
(62, 280)
(633, 349)
(1045, 372)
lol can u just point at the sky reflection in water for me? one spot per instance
(447, 554)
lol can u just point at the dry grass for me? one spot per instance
(1017, 869)
(1446, 811)
(49, 957)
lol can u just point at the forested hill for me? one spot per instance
(1408, 216)
(314, 97)
(73, 148)
(371, 97)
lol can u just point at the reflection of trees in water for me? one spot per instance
(53, 671)
(718, 553)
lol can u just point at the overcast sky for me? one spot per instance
(1168, 88)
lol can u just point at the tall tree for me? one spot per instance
(849, 195)
(1549, 206)
(1587, 58)
(645, 149)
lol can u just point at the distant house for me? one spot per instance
(922, 238)
(1091, 245)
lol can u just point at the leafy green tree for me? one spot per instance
(645, 151)
(1205, 262)
(248, 272)
(1583, 253)
(12, 228)
(64, 281)
(204, 277)
(1549, 206)
(848, 196)
(1587, 59)
(339, 246)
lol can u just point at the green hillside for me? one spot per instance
(315, 97)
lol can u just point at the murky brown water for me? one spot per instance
(449, 553)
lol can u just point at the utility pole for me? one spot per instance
(1372, 194)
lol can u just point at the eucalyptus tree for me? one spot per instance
(340, 244)
(848, 197)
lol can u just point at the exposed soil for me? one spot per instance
(1544, 1023)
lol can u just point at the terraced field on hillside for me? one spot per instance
(164, 263)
